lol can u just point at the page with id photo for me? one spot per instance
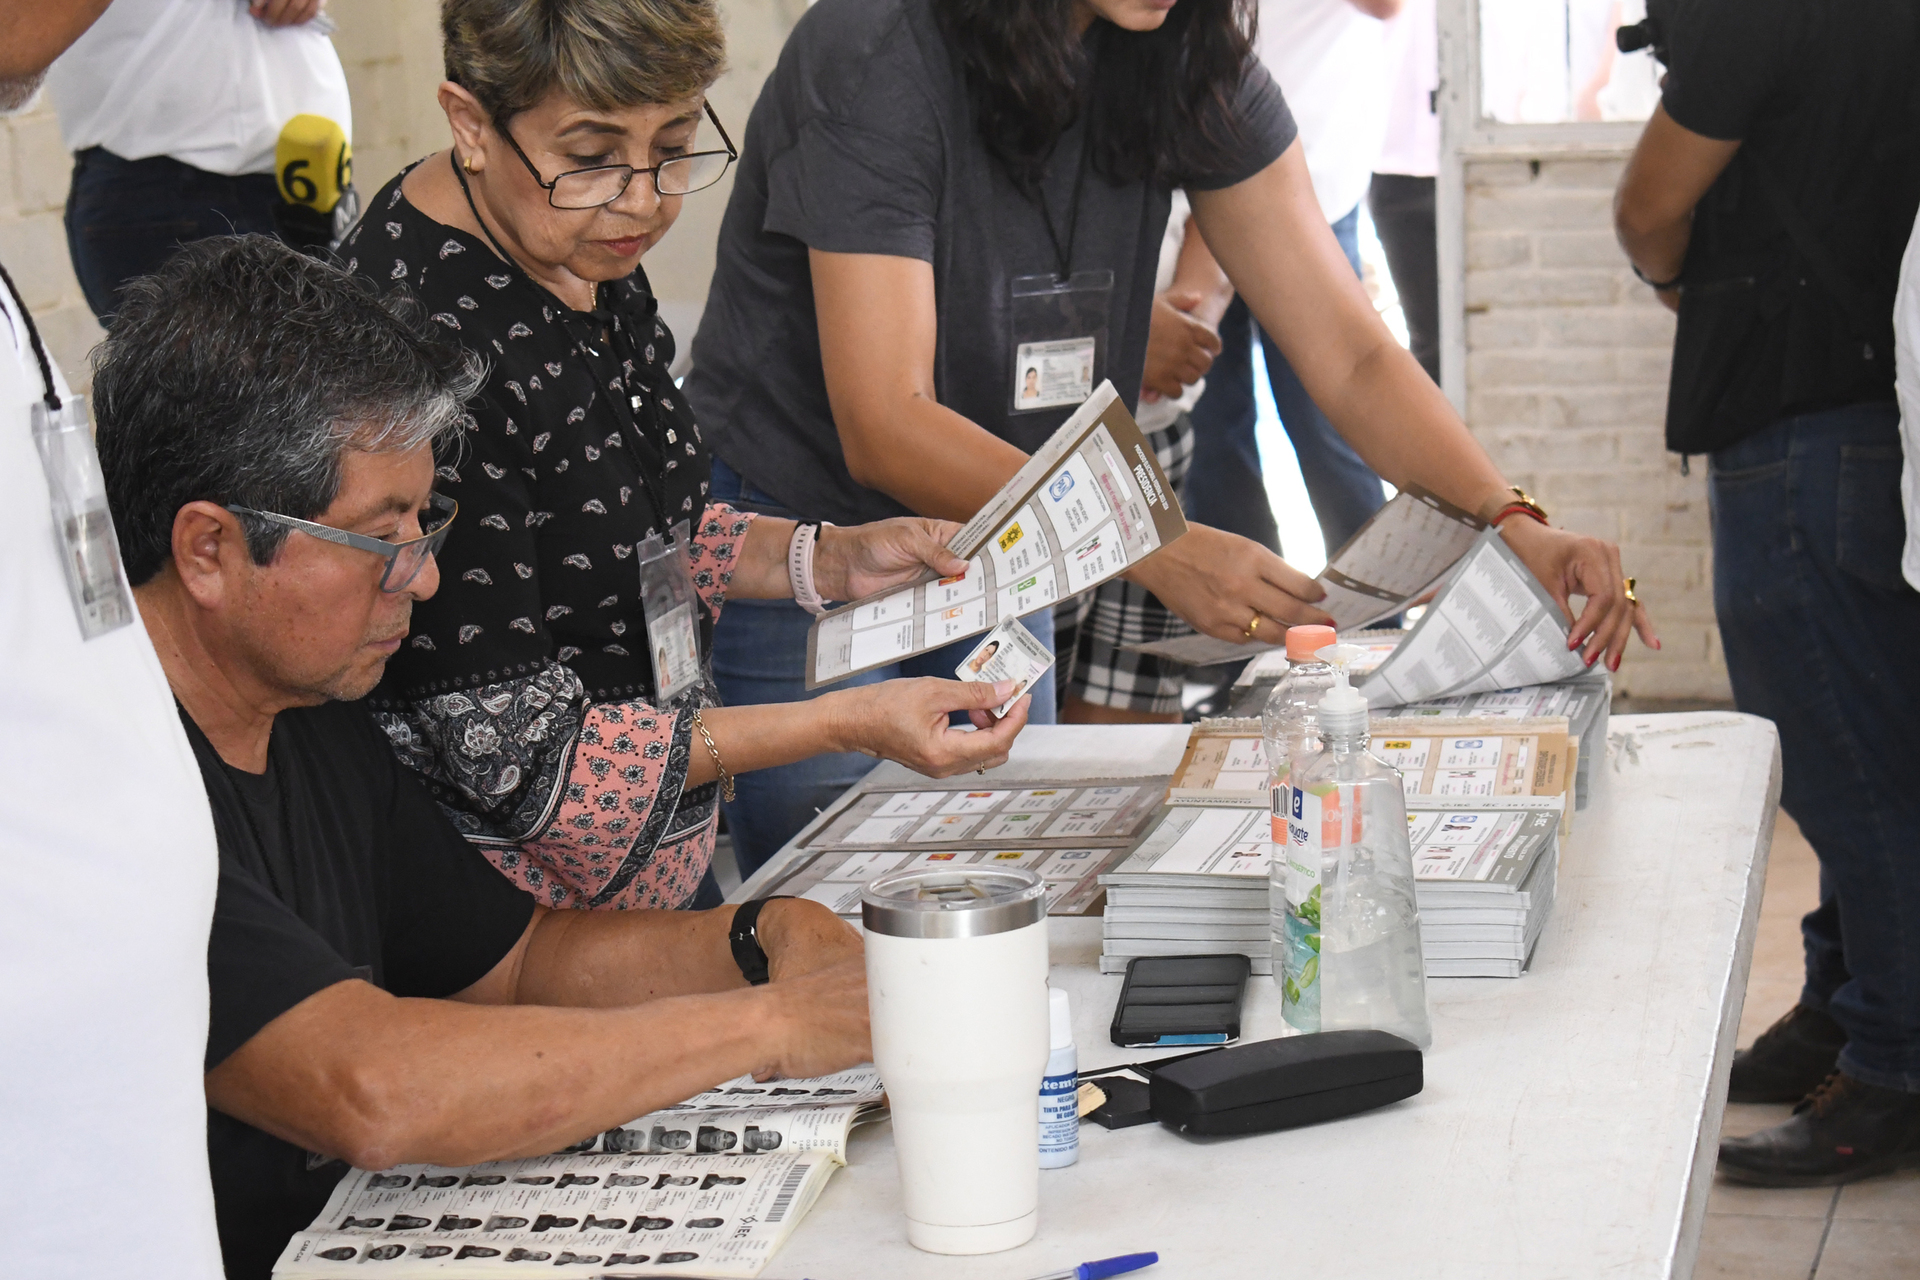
(1008, 653)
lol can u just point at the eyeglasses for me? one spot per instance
(404, 559)
(591, 188)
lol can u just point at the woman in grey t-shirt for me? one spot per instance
(911, 170)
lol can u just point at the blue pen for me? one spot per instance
(1104, 1268)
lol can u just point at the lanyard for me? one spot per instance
(623, 414)
(52, 397)
(1063, 249)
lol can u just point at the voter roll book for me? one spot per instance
(1009, 652)
(712, 1186)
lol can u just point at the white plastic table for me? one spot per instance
(1570, 1118)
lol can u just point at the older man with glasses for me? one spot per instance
(267, 428)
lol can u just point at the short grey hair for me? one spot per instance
(603, 54)
(242, 371)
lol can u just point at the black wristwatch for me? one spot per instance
(744, 938)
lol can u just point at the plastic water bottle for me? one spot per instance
(1289, 721)
(1347, 931)
(1060, 1089)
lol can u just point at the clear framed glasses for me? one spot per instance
(591, 188)
(404, 559)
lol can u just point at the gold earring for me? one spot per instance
(467, 164)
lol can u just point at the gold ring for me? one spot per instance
(1632, 598)
(1253, 626)
(982, 771)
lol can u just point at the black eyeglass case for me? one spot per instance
(1281, 1084)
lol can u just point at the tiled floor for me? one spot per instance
(1868, 1231)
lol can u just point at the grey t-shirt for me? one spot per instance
(863, 142)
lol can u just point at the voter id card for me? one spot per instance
(672, 607)
(82, 525)
(1009, 652)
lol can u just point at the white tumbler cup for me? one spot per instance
(957, 985)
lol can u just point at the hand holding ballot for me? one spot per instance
(858, 561)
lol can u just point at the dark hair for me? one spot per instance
(1159, 104)
(241, 371)
(603, 54)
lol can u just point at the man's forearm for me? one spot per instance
(441, 1082)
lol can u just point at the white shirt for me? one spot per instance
(1160, 414)
(199, 80)
(1906, 382)
(107, 853)
(1331, 63)
(1412, 144)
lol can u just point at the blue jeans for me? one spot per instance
(1226, 487)
(1818, 627)
(126, 217)
(760, 656)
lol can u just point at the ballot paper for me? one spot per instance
(1009, 652)
(835, 877)
(1493, 627)
(1398, 555)
(943, 815)
(710, 1187)
(1092, 502)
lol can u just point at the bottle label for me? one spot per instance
(1298, 953)
(1059, 1114)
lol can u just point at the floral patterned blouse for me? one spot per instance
(524, 695)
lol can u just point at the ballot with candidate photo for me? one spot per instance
(1010, 652)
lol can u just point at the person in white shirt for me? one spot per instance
(238, 120)
(1329, 58)
(107, 850)
(1401, 197)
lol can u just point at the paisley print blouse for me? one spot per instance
(524, 695)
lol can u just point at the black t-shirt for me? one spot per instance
(863, 142)
(334, 864)
(1820, 97)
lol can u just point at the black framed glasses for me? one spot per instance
(591, 188)
(404, 560)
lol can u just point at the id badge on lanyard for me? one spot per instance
(1059, 338)
(673, 615)
(82, 525)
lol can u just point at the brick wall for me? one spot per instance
(34, 169)
(1567, 360)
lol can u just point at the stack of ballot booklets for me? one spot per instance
(710, 1187)
(1583, 701)
(1197, 883)
(1067, 832)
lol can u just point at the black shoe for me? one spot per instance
(1789, 1060)
(1846, 1130)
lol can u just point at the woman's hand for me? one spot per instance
(1180, 346)
(1571, 564)
(856, 561)
(906, 721)
(1220, 582)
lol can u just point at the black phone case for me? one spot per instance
(1167, 999)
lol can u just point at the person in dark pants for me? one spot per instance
(237, 122)
(1402, 209)
(1227, 486)
(126, 217)
(1769, 201)
(1401, 195)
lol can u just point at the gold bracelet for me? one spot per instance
(726, 779)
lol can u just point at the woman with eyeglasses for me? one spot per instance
(936, 192)
(559, 712)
